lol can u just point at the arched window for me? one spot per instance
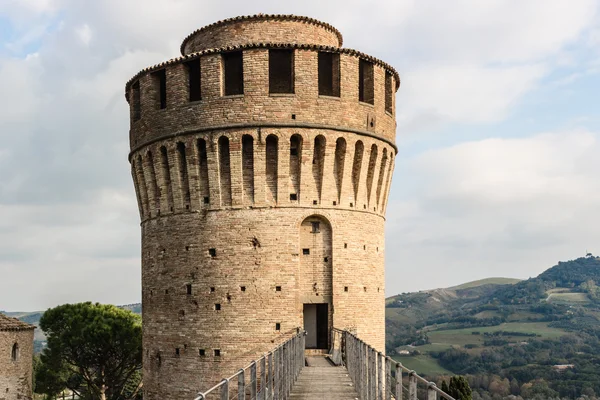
(15, 352)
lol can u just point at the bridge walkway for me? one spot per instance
(320, 379)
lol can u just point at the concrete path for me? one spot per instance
(322, 380)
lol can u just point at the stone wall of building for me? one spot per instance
(256, 204)
(16, 359)
(262, 28)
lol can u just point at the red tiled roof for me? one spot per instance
(13, 324)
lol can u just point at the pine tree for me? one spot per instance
(445, 387)
(459, 388)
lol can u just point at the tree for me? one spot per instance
(94, 350)
(445, 387)
(459, 388)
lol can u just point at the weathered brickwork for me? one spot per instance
(262, 28)
(255, 205)
(16, 359)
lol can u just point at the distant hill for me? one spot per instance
(506, 331)
(487, 281)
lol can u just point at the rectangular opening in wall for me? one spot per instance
(293, 197)
(136, 105)
(201, 352)
(233, 73)
(306, 252)
(177, 351)
(281, 71)
(193, 68)
(217, 353)
(217, 307)
(277, 326)
(278, 288)
(316, 325)
(389, 92)
(212, 252)
(366, 87)
(315, 226)
(160, 84)
(188, 289)
(329, 74)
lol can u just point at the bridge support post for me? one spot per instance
(412, 386)
(398, 381)
(431, 392)
(364, 365)
(388, 378)
(225, 390)
(253, 380)
(270, 380)
(380, 375)
(241, 385)
(277, 375)
(263, 379)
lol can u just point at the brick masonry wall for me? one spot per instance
(226, 204)
(256, 105)
(265, 30)
(16, 376)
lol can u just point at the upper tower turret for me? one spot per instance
(262, 28)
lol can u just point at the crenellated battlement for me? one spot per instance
(327, 88)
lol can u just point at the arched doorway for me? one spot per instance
(316, 280)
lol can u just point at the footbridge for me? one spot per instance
(352, 370)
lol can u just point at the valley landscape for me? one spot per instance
(537, 338)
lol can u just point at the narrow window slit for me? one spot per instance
(366, 87)
(193, 69)
(160, 84)
(233, 73)
(329, 74)
(281, 71)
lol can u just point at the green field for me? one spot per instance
(565, 297)
(446, 339)
(465, 336)
(488, 281)
(423, 365)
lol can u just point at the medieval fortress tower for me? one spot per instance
(262, 160)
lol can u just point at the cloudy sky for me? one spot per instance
(498, 136)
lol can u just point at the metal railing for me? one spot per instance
(378, 377)
(271, 376)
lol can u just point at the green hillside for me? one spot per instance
(487, 281)
(506, 331)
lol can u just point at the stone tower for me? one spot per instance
(262, 160)
(16, 359)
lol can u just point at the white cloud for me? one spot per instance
(466, 92)
(84, 33)
(510, 207)
(66, 188)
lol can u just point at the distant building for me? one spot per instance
(16, 359)
(563, 367)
